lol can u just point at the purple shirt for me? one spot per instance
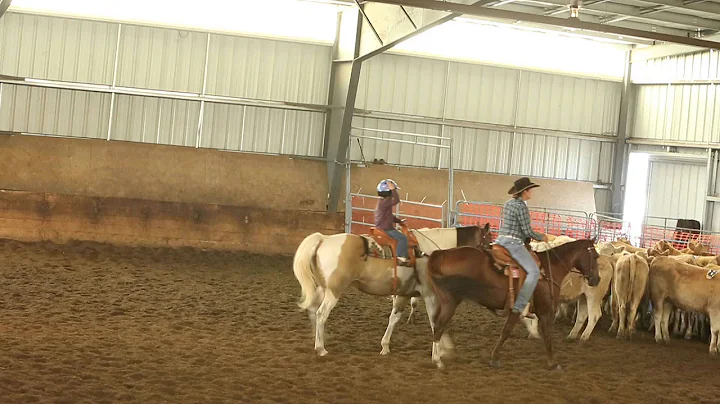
(384, 218)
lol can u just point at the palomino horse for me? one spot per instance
(326, 266)
(430, 240)
(468, 273)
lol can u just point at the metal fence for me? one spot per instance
(610, 227)
(575, 224)
(417, 214)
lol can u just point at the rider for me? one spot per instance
(512, 234)
(385, 220)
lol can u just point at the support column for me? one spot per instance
(363, 32)
(344, 78)
(621, 148)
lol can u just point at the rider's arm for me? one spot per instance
(527, 230)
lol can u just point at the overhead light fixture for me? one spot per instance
(574, 11)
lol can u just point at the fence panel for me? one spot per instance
(417, 215)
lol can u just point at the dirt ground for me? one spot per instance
(99, 324)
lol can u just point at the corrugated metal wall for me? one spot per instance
(458, 95)
(83, 52)
(681, 111)
(676, 190)
(678, 113)
(692, 66)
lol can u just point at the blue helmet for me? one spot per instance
(384, 186)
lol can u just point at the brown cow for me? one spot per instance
(686, 286)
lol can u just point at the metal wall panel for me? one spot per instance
(692, 66)
(479, 150)
(556, 157)
(481, 93)
(402, 84)
(237, 127)
(57, 48)
(603, 200)
(53, 112)
(569, 104)
(155, 120)
(676, 190)
(393, 152)
(678, 112)
(161, 59)
(270, 70)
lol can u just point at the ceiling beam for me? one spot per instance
(693, 5)
(541, 19)
(4, 5)
(645, 13)
(668, 50)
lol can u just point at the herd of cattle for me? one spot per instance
(660, 288)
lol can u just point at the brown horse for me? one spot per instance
(469, 273)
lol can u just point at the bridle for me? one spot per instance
(569, 270)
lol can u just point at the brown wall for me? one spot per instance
(160, 173)
(431, 184)
(184, 174)
(141, 194)
(60, 218)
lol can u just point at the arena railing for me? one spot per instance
(418, 215)
(575, 224)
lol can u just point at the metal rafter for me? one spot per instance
(571, 22)
(652, 13)
(4, 5)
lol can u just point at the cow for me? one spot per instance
(691, 288)
(629, 284)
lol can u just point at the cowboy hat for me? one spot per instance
(521, 185)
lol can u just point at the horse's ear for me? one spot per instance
(487, 227)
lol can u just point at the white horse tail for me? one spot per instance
(304, 268)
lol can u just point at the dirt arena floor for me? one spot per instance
(99, 324)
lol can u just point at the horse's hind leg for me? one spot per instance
(322, 314)
(512, 319)
(413, 310)
(546, 330)
(399, 303)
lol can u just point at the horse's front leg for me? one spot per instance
(399, 304)
(546, 330)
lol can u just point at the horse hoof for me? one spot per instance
(322, 352)
(495, 364)
(440, 365)
(570, 339)
(556, 368)
(385, 351)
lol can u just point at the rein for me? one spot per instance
(552, 282)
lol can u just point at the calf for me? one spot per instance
(686, 286)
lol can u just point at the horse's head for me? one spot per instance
(587, 262)
(483, 236)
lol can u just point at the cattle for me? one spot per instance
(688, 287)
(629, 284)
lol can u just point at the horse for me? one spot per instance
(327, 266)
(470, 273)
(430, 240)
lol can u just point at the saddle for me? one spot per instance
(386, 242)
(505, 264)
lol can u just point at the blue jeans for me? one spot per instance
(402, 246)
(522, 256)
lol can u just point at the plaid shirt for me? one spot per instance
(516, 221)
